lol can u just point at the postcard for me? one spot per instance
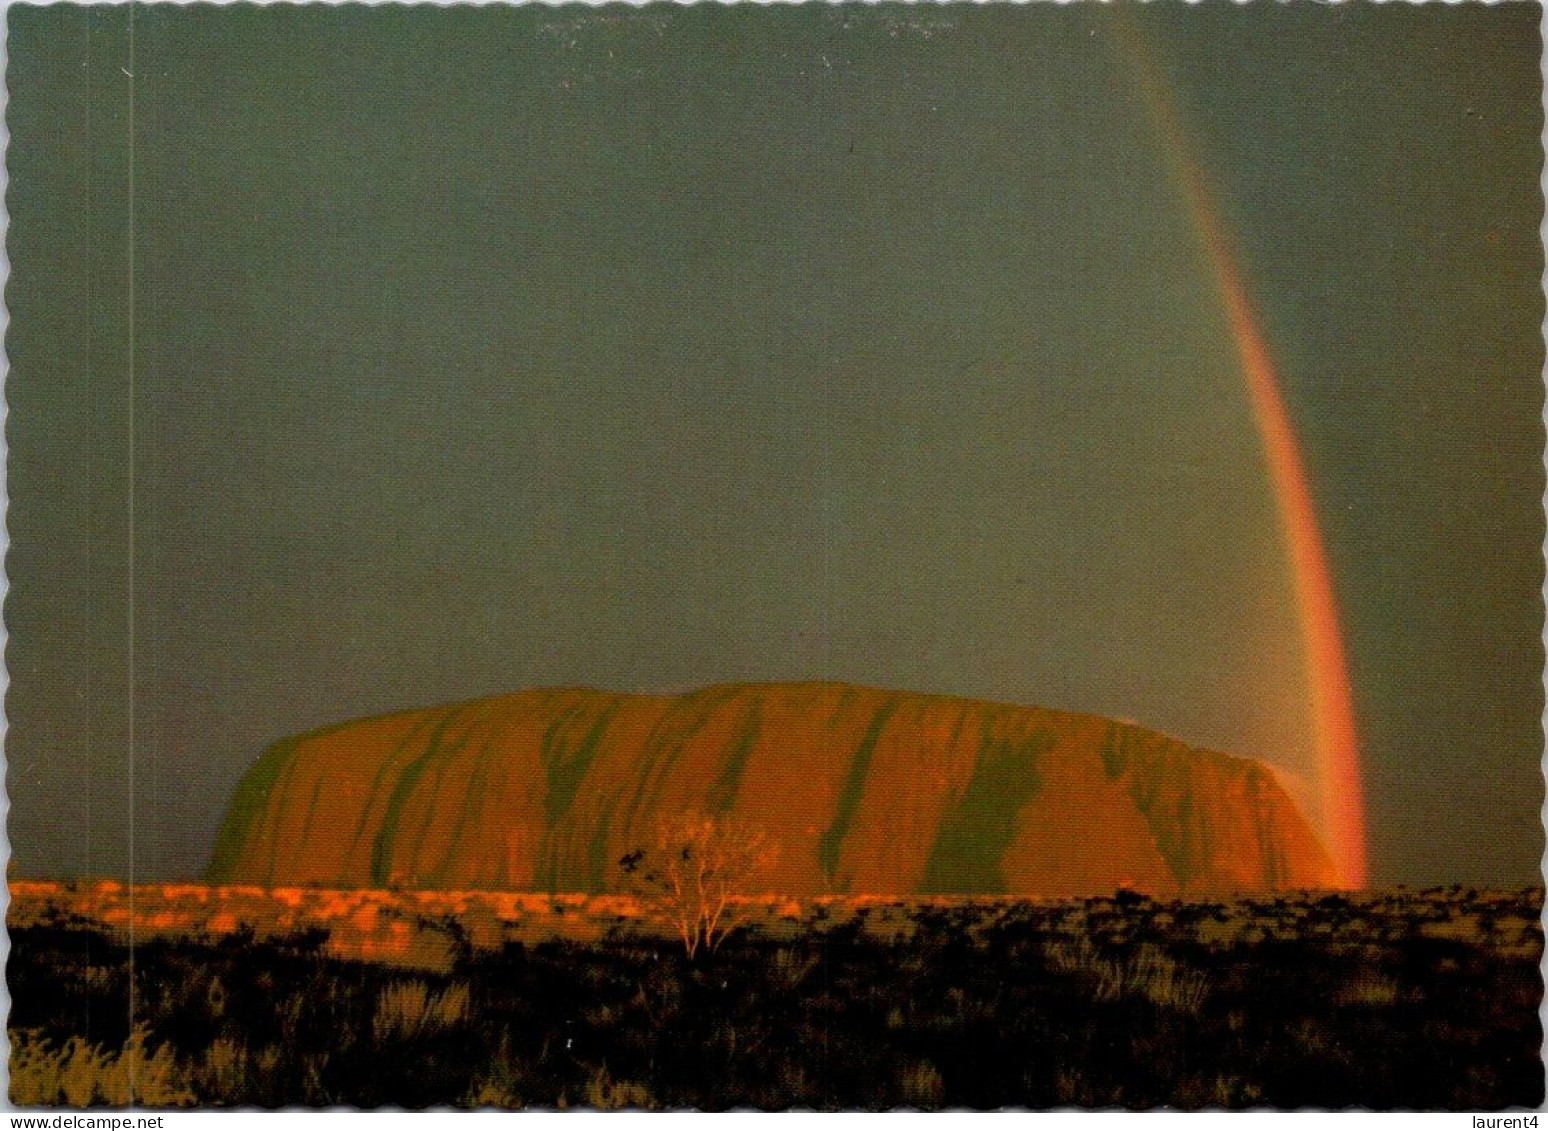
(823, 557)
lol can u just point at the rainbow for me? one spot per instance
(1333, 725)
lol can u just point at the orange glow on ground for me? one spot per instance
(1333, 724)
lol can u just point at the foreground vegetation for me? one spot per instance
(1407, 999)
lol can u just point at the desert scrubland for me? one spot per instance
(254, 996)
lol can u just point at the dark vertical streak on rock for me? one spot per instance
(1165, 786)
(971, 843)
(666, 742)
(430, 722)
(311, 812)
(1270, 850)
(597, 862)
(471, 797)
(382, 844)
(564, 768)
(830, 844)
(1117, 750)
(471, 716)
(722, 791)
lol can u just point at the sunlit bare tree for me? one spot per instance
(697, 874)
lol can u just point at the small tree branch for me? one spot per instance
(699, 869)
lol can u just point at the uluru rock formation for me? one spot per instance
(865, 790)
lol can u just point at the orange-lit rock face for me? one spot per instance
(865, 791)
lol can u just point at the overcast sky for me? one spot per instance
(479, 349)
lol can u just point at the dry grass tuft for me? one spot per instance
(1369, 988)
(923, 1086)
(1149, 973)
(77, 1074)
(406, 1010)
(606, 1094)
